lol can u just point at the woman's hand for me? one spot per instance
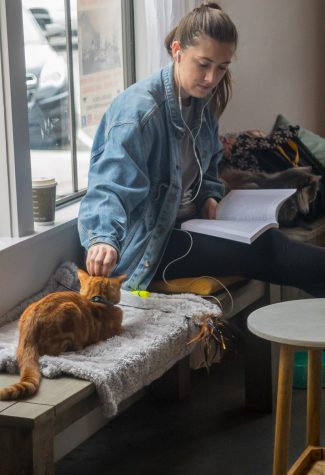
(101, 259)
(209, 209)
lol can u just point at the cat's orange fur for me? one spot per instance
(64, 321)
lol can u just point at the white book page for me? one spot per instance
(256, 205)
(244, 231)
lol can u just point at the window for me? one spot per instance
(78, 57)
(39, 105)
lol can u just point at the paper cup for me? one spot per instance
(44, 191)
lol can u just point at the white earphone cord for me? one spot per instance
(194, 137)
(178, 287)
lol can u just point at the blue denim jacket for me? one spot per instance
(135, 177)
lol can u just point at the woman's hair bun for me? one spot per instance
(214, 5)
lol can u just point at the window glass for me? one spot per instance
(101, 75)
(69, 88)
(48, 94)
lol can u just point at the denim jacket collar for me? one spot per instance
(175, 113)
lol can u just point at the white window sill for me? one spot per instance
(64, 217)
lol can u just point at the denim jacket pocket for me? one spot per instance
(156, 196)
(158, 191)
(97, 152)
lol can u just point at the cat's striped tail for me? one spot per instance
(30, 377)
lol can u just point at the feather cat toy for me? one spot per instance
(65, 321)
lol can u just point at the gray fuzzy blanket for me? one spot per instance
(155, 336)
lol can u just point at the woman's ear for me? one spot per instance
(176, 51)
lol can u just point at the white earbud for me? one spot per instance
(178, 59)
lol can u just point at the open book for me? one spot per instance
(242, 215)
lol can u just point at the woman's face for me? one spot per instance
(199, 69)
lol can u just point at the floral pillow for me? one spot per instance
(243, 150)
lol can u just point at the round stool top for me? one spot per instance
(296, 322)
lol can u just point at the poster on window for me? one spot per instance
(100, 57)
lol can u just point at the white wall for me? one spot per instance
(280, 65)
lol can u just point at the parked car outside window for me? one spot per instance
(50, 15)
(47, 88)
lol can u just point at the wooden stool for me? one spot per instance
(295, 324)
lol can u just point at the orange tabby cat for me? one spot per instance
(65, 321)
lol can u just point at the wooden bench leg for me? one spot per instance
(175, 383)
(25, 451)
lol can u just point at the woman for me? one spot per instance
(155, 162)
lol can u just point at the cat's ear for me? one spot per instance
(121, 278)
(82, 275)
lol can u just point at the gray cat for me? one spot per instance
(302, 178)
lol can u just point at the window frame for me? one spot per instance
(16, 181)
(15, 165)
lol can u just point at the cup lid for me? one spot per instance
(43, 181)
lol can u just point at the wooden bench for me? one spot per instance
(37, 432)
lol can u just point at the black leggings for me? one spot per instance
(273, 257)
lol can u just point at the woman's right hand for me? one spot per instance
(101, 259)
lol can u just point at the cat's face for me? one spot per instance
(307, 187)
(107, 287)
(306, 195)
(306, 183)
